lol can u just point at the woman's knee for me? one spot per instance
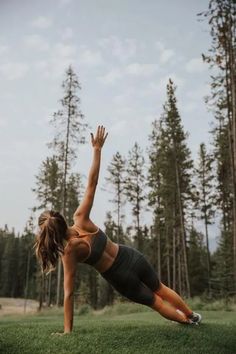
(158, 302)
(163, 291)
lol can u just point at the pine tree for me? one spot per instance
(9, 264)
(74, 195)
(48, 193)
(116, 179)
(48, 185)
(182, 169)
(169, 179)
(206, 197)
(135, 188)
(106, 291)
(28, 268)
(155, 200)
(198, 268)
(70, 128)
(221, 16)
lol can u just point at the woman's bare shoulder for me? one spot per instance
(84, 226)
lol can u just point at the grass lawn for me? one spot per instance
(141, 332)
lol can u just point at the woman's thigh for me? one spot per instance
(146, 273)
(129, 285)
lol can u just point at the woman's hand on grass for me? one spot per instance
(59, 333)
(100, 137)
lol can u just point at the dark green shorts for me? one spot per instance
(132, 275)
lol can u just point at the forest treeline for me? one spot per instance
(181, 194)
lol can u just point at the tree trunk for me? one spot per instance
(179, 265)
(182, 229)
(27, 281)
(140, 243)
(206, 229)
(174, 251)
(168, 255)
(159, 251)
(41, 291)
(49, 289)
(230, 76)
(118, 212)
(208, 256)
(232, 65)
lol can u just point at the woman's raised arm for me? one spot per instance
(83, 211)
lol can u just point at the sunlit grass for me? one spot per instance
(124, 328)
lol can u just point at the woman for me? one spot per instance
(124, 267)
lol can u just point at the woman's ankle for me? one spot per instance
(190, 315)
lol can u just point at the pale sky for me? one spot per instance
(123, 52)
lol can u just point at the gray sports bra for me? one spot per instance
(97, 246)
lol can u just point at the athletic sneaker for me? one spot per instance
(195, 318)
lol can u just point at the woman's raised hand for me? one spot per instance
(100, 137)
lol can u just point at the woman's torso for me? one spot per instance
(96, 247)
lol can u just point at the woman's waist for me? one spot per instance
(108, 257)
(126, 257)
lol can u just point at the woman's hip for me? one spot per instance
(125, 260)
(131, 273)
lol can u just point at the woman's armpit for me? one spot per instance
(83, 250)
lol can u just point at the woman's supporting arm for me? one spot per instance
(69, 266)
(68, 313)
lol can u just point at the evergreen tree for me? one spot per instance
(9, 264)
(198, 269)
(74, 194)
(170, 182)
(70, 128)
(28, 269)
(48, 193)
(221, 16)
(222, 268)
(106, 292)
(116, 179)
(206, 197)
(135, 188)
(155, 199)
(48, 185)
(182, 164)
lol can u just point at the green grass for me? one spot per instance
(143, 331)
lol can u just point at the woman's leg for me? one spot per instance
(146, 273)
(167, 311)
(174, 299)
(135, 278)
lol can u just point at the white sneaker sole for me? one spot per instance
(199, 319)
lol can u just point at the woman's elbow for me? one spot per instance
(68, 295)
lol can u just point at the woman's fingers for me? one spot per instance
(58, 333)
(98, 131)
(105, 138)
(100, 136)
(101, 132)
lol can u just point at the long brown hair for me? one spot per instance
(49, 241)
